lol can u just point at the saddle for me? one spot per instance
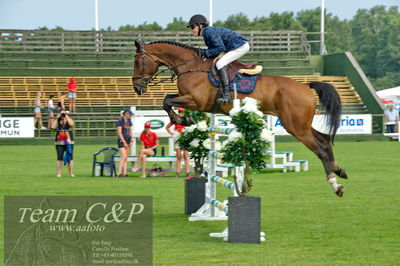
(237, 67)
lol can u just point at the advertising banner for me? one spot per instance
(349, 124)
(16, 127)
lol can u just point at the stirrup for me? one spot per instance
(225, 99)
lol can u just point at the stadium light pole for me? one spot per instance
(96, 25)
(96, 14)
(322, 46)
(210, 14)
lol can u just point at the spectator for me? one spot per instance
(38, 112)
(391, 116)
(72, 89)
(64, 141)
(61, 102)
(124, 133)
(150, 143)
(50, 110)
(179, 151)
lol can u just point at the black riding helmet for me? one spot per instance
(197, 20)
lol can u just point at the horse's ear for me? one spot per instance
(139, 45)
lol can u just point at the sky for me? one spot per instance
(80, 15)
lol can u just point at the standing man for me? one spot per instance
(218, 40)
(72, 89)
(392, 117)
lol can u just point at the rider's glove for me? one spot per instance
(201, 53)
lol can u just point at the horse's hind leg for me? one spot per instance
(323, 150)
(324, 138)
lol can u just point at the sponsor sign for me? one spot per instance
(17, 127)
(157, 125)
(349, 124)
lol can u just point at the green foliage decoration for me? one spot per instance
(248, 144)
(192, 139)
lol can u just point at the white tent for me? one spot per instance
(392, 93)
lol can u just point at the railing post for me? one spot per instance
(62, 42)
(212, 165)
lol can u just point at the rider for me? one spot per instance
(218, 40)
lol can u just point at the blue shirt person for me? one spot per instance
(124, 134)
(218, 40)
(392, 117)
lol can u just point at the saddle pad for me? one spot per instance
(244, 83)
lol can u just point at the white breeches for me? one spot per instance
(233, 55)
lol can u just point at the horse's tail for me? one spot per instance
(330, 102)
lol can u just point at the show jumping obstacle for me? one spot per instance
(214, 209)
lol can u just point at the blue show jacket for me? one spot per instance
(220, 39)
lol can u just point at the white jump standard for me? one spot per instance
(214, 209)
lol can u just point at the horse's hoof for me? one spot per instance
(187, 121)
(341, 173)
(339, 192)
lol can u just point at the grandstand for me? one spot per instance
(32, 61)
(94, 91)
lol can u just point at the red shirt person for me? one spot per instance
(150, 143)
(148, 138)
(72, 87)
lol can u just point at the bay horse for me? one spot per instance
(291, 101)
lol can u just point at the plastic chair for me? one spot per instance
(105, 158)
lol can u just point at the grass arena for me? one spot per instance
(303, 221)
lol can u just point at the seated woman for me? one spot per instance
(150, 143)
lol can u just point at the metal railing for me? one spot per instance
(122, 42)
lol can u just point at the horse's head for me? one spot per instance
(144, 68)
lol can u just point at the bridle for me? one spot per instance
(145, 80)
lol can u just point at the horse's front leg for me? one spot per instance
(176, 100)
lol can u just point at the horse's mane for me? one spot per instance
(175, 43)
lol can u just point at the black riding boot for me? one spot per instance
(223, 75)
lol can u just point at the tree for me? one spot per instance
(284, 21)
(338, 35)
(376, 32)
(177, 24)
(127, 28)
(149, 27)
(261, 23)
(310, 21)
(237, 22)
(390, 80)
